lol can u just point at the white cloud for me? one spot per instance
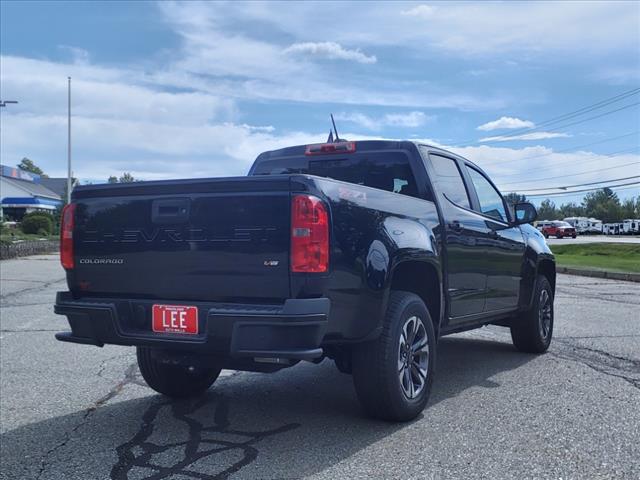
(505, 122)
(492, 28)
(181, 118)
(581, 30)
(258, 128)
(526, 136)
(222, 59)
(329, 50)
(78, 55)
(618, 75)
(412, 119)
(420, 11)
(106, 93)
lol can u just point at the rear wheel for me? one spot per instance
(393, 374)
(177, 381)
(533, 333)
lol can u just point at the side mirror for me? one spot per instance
(524, 212)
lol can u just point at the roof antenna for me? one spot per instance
(334, 128)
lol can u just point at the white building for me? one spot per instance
(21, 192)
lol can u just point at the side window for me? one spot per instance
(449, 179)
(491, 203)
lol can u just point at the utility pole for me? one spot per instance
(3, 103)
(69, 142)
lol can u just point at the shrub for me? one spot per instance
(36, 224)
(40, 213)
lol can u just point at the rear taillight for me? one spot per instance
(66, 236)
(309, 235)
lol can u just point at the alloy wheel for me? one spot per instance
(545, 314)
(413, 357)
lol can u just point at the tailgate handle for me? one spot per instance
(170, 210)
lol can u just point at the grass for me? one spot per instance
(614, 257)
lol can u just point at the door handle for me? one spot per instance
(456, 226)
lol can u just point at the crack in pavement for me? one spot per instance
(22, 280)
(129, 456)
(599, 360)
(37, 330)
(596, 297)
(600, 369)
(34, 304)
(29, 290)
(129, 377)
(596, 336)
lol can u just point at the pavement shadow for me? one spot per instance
(290, 424)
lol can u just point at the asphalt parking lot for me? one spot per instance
(81, 412)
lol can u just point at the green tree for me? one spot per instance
(603, 204)
(27, 165)
(513, 198)
(547, 210)
(125, 178)
(570, 209)
(630, 208)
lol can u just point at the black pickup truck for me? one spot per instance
(363, 252)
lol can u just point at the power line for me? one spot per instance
(500, 137)
(564, 187)
(566, 116)
(566, 194)
(577, 113)
(572, 161)
(534, 180)
(571, 148)
(578, 185)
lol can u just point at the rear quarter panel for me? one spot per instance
(373, 231)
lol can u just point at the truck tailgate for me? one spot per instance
(214, 239)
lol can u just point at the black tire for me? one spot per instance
(377, 365)
(174, 381)
(546, 235)
(533, 332)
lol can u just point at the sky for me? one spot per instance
(539, 94)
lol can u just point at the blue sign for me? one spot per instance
(15, 172)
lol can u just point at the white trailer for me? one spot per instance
(630, 226)
(612, 228)
(585, 224)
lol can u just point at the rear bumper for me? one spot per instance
(293, 330)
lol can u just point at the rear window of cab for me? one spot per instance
(386, 171)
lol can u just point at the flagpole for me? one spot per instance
(69, 141)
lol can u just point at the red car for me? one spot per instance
(559, 229)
